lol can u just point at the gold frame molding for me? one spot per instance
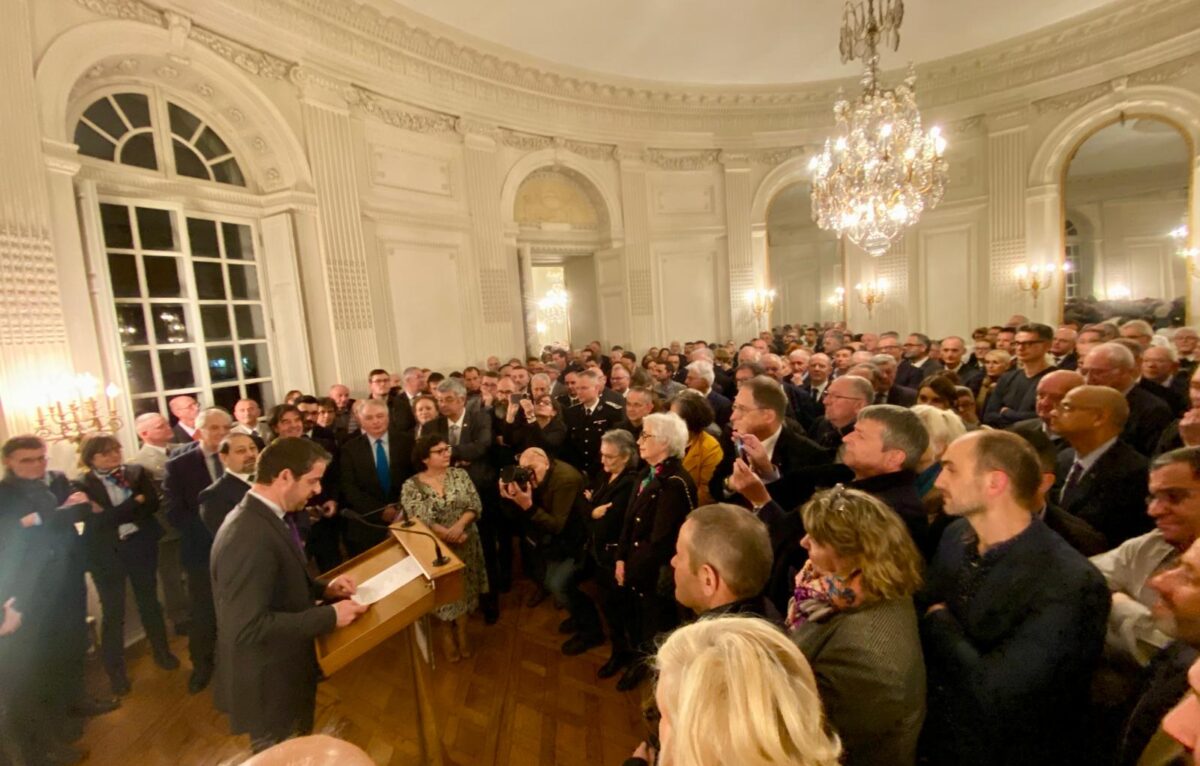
(1061, 234)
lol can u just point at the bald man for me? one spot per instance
(1050, 392)
(1101, 479)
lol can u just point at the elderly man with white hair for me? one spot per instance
(1113, 365)
(700, 377)
(1161, 376)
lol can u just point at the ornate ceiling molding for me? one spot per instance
(1156, 75)
(365, 102)
(672, 160)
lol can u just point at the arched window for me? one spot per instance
(186, 284)
(127, 128)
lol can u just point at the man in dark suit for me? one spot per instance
(587, 421)
(1012, 618)
(268, 672)
(1062, 348)
(469, 435)
(185, 409)
(886, 390)
(1051, 389)
(1113, 365)
(401, 403)
(375, 463)
(700, 377)
(1161, 377)
(246, 414)
(1079, 534)
(1101, 479)
(954, 349)
(188, 474)
(239, 455)
(917, 364)
(759, 431)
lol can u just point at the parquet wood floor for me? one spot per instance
(517, 702)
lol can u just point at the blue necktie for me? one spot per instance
(381, 468)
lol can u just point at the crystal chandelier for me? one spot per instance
(883, 169)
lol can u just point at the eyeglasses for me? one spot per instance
(829, 396)
(439, 450)
(644, 435)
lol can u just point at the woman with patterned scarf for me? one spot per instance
(852, 616)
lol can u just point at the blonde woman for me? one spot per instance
(735, 690)
(995, 364)
(852, 615)
(943, 427)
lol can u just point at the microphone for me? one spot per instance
(440, 559)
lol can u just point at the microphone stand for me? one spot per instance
(440, 559)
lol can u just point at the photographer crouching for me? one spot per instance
(549, 497)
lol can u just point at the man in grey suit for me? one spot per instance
(267, 668)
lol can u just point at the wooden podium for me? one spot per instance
(395, 612)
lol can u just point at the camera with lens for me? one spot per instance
(516, 474)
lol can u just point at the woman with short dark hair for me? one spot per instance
(445, 499)
(120, 538)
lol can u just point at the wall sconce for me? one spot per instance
(1036, 278)
(1190, 254)
(761, 300)
(838, 299)
(75, 409)
(871, 294)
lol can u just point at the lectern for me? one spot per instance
(437, 585)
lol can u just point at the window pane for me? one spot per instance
(131, 324)
(250, 323)
(170, 323)
(105, 117)
(92, 144)
(261, 393)
(156, 227)
(211, 145)
(255, 362)
(187, 163)
(210, 285)
(228, 172)
(221, 364)
(139, 152)
(177, 369)
(183, 122)
(203, 236)
(239, 243)
(226, 396)
(142, 406)
(162, 276)
(123, 271)
(216, 323)
(117, 231)
(243, 282)
(139, 372)
(136, 108)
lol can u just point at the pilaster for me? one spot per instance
(747, 253)
(1007, 246)
(635, 207)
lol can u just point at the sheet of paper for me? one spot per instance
(388, 581)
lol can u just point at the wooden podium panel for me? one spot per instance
(396, 611)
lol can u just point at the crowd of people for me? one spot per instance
(825, 546)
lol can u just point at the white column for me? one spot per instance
(1007, 247)
(293, 362)
(635, 211)
(343, 260)
(747, 253)
(33, 334)
(496, 297)
(528, 300)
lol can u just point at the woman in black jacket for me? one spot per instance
(608, 499)
(121, 540)
(664, 496)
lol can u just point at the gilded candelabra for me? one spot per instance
(838, 299)
(77, 408)
(1037, 278)
(871, 294)
(761, 300)
(1191, 255)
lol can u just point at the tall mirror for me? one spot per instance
(1126, 195)
(804, 261)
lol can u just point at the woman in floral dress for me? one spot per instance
(446, 501)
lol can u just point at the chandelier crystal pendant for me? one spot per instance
(883, 169)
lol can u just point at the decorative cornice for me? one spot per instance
(253, 61)
(131, 10)
(419, 122)
(526, 142)
(776, 156)
(670, 160)
(1156, 75)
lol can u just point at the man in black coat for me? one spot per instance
(701, 376)
(886, 390)
(1062, 348)
(1051, 389)
(469, 434)
(239, 455)
(1101, 479)
(916, 365)
(587, 421)
(1013, 619)
(1079, 534)
(1113, 365)
(268, 673)
(189, 472)
(368, 486)
(1015, 396)
(401, 401)
(185, 409)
